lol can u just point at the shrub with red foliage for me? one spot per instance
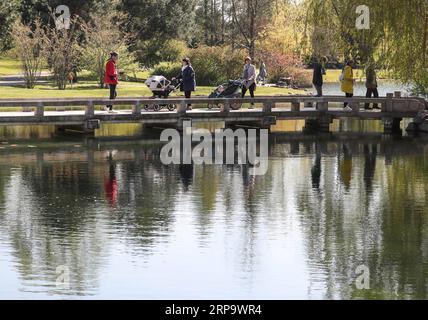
(280, 65)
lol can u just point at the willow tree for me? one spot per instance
(396, 36)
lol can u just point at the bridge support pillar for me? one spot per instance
(392, 125)
(321, 124)
(265, 123)
(155, 128)
(88, 128)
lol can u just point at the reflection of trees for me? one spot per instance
(50, 221)
(382, 228)
(56, 213)
(372, 213)
(149, 193)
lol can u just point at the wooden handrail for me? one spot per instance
(197, 100)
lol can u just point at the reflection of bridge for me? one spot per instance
(96, 151)
(317, 112)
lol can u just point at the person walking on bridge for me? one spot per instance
(319, 72)
(371, 85)
(262, 76)
(188, 80)
(347, 82)
(249, 79)
(111, 78)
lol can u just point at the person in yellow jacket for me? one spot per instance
(347, 80)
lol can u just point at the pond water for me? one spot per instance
(123, 225)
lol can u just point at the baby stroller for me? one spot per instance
(161, 88)
(232, 89)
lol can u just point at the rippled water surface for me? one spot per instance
(126, 226)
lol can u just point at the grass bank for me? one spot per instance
(9, 66)
(125, 89)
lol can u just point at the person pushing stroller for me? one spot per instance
(249, 79)
(188, 80)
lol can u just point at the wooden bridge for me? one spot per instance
(318, 112)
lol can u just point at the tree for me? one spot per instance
(8, 14)
(153, 22)
(29, 45)
(397, 37)
(103, 35)
(249, 18)
(63, 51)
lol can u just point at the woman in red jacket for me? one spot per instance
(111, 77)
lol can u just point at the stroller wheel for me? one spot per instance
(235, 106)
(171, 107)
(157, 107)
(146, 107)
(210, 106)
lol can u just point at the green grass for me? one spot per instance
(9, 66)
(87, 88)
(125, 89)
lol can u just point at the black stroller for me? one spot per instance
(232, 89)
(161, 88)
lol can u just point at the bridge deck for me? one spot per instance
(271, 110)
(123, 116)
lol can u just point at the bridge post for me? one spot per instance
(182, 108)
(322, 106)
(392, 125)
(387, 107)
(90, 110)
(136, 108)
(40, 110)
(320, 124)
(295, 106)
(226, 106)
(355, 106)
(268, 106)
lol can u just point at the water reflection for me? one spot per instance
(128, 226)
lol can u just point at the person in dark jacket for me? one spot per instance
(111, 77)
(371, 85)
(317, 79)
(188, 78)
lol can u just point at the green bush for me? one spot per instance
(167, 69)
(215, 65)
(152, 52)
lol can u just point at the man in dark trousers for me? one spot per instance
(371, 85)
(317, 79)
(111, 78)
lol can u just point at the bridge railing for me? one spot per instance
(391, 103)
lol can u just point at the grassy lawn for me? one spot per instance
(9, 66)
(125, 89)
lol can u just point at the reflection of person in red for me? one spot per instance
(110, 184)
